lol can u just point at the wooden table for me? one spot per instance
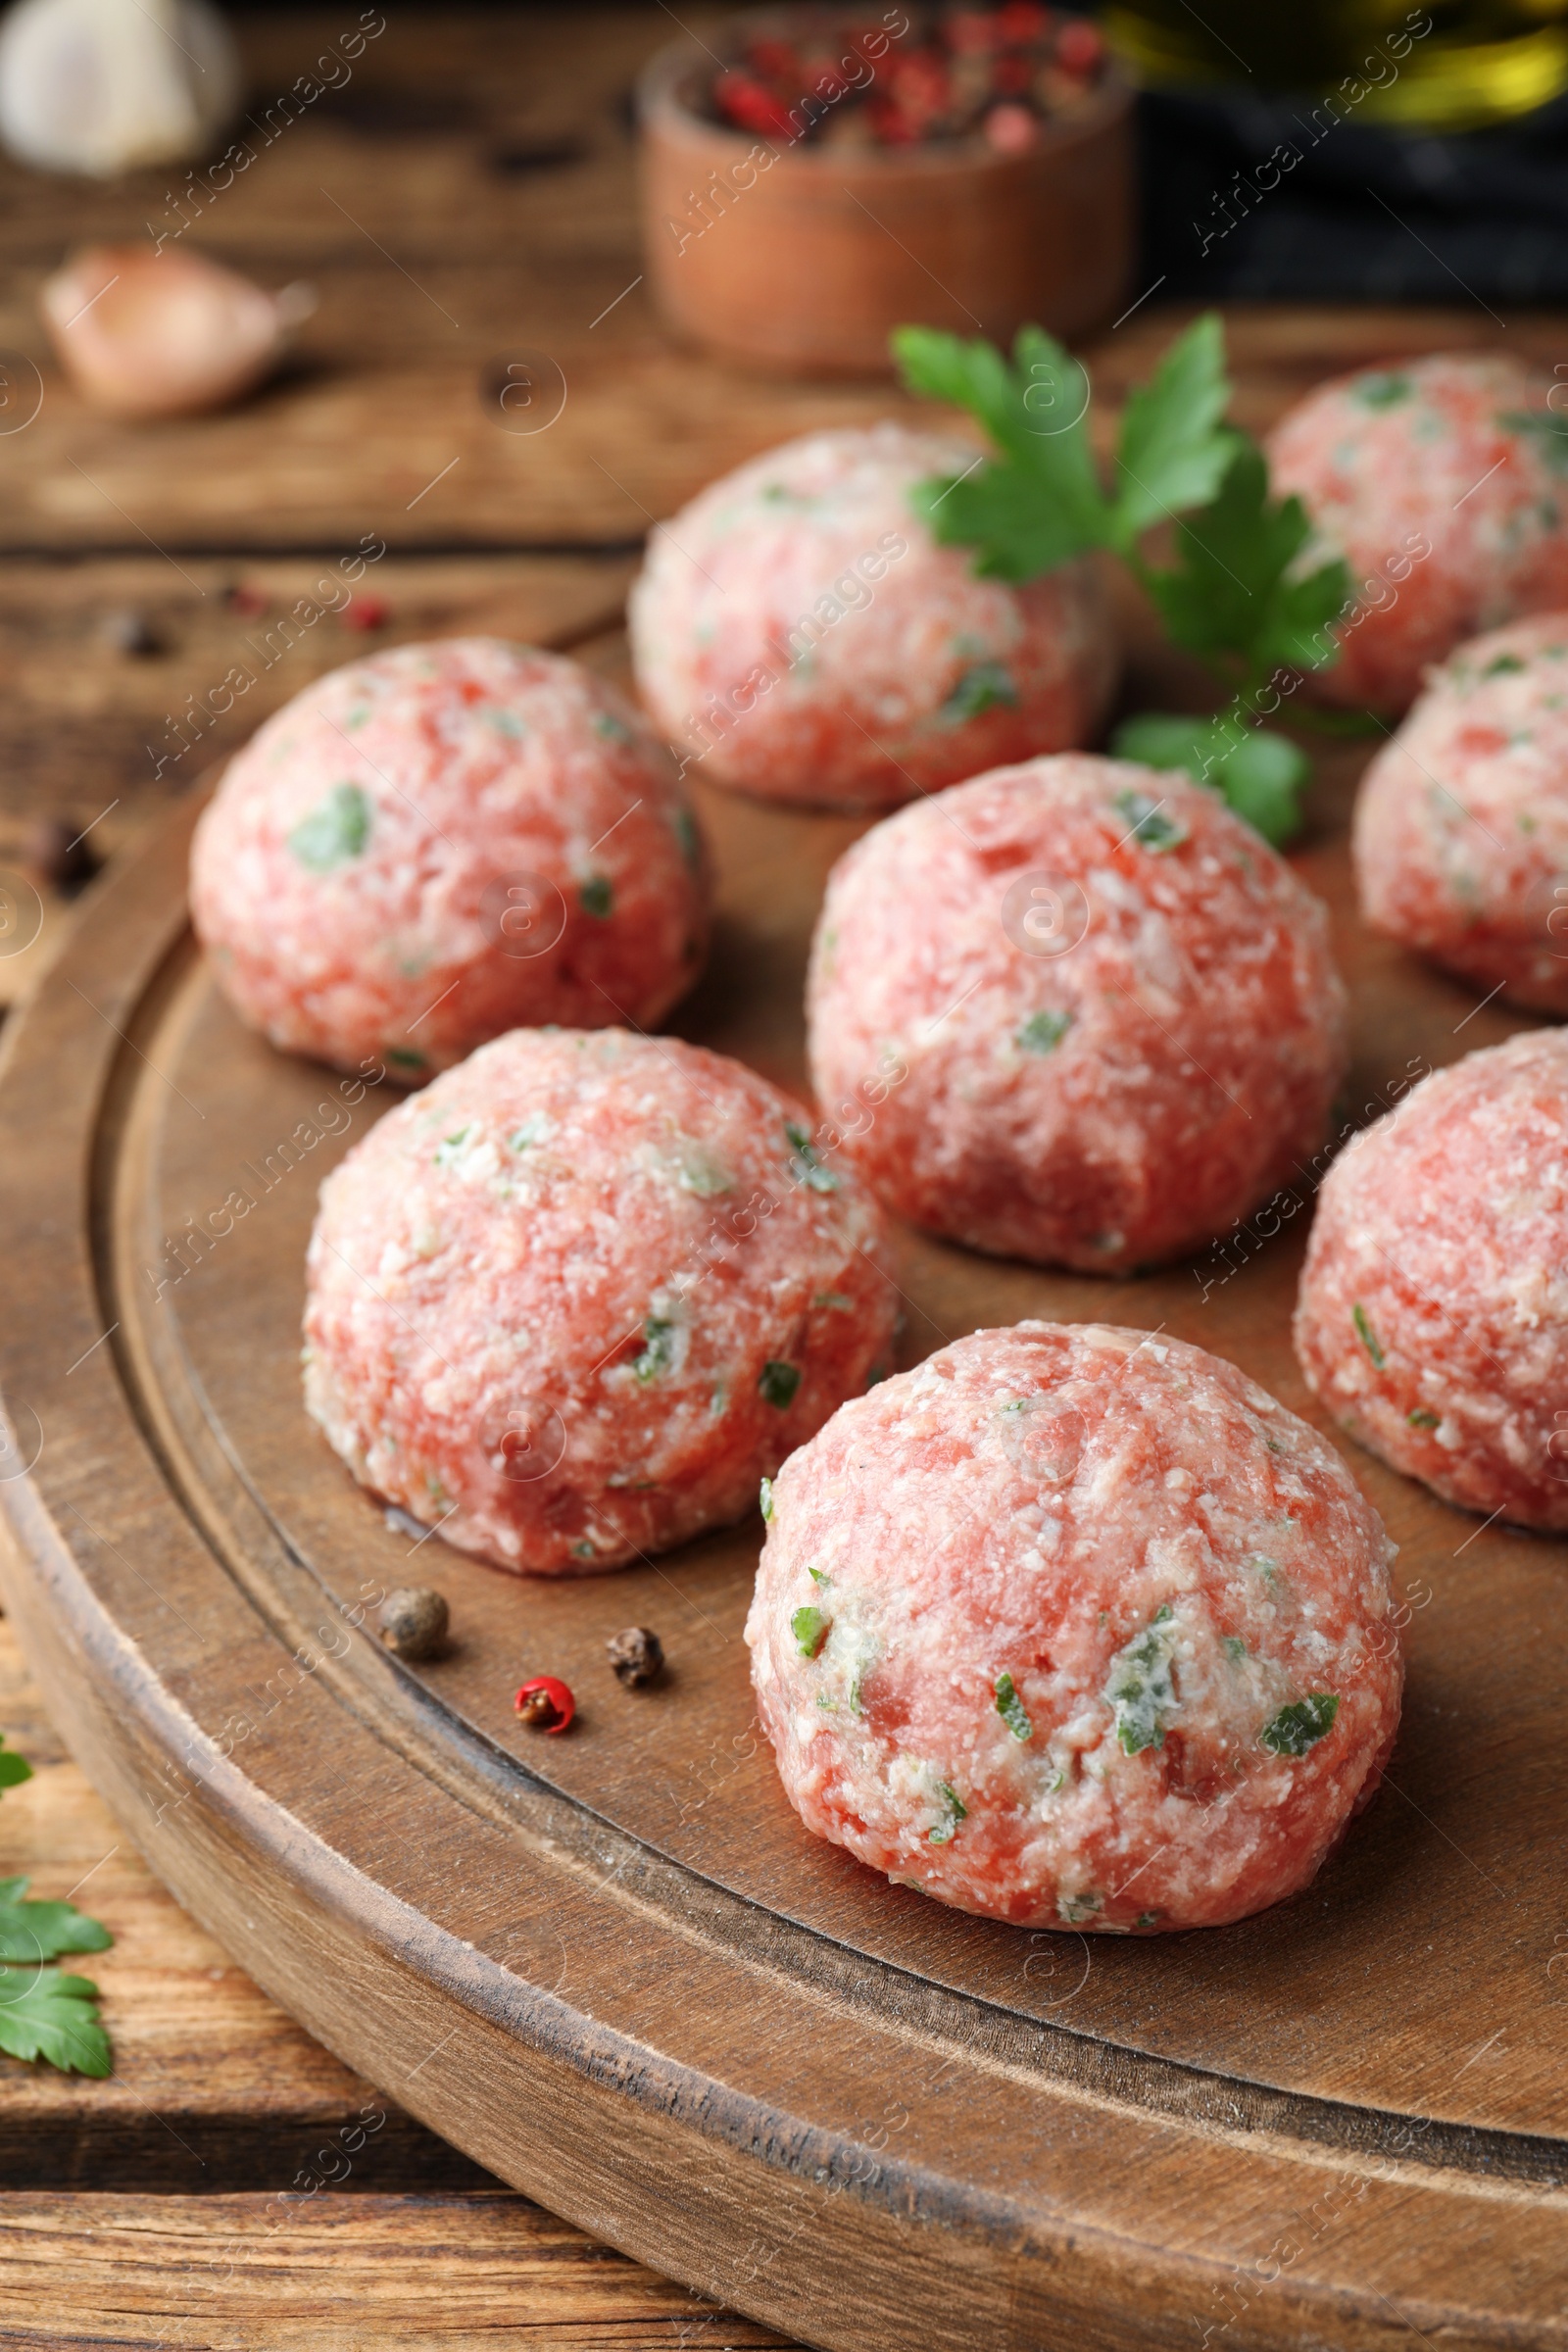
(464, 200)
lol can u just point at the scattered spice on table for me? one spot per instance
(546, 1703)
(636, 1656)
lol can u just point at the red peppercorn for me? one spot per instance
(1080, 46)
(751, 107)
(546, 1703)
(1022, 21)
(365, 612)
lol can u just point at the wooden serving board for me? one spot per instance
(613, 1967)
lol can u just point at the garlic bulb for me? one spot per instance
(103, 86)
(143, 333)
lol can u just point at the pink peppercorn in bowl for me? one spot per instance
(910, 182)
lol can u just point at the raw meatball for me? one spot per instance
(574, 1300)
(1075, 1627)
(1432, 1317)
(798, 632)
(1101, 1011)
(430, 847)
(1461, 830)
(1441, 482)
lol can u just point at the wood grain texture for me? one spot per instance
(347, 2272)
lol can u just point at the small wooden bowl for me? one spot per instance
(805, 258)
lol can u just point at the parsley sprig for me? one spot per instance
(1239, 594)
(44, 2013)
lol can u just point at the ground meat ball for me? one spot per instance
(425, 849)
(572, 1301)
(1075, 1627)
(1440, 481)
(1433, 1318)
(1462, 829)
(1100, 1007)
(798, 629)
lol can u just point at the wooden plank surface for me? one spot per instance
(230, 2164)
(348, 2272)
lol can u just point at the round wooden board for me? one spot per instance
(612, 1966)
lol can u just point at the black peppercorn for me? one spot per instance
(414, 1622)
(636, 1655)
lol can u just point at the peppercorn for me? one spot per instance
(130, 632)
(546, 1703)
(58, 854)
(414, 1622)
(636, 1656)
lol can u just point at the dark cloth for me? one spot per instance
(1363, 213)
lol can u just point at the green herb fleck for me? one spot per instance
(1296, 1728)
(1502, 666)
(819, 1576)
(1141, 1692)
(1149, 822)
(1381, 389)
(532, 1131)
(595, 896)
(1548, 435)
(611, 728)
(690, 840)
(13, 1770)
(764, 1498)
(809, 1626)
(979, 689)
(1234, 1646)
(837, 1298)
(1148, 1919)
(777, 1383)
(1422, 1419)
(955, 1810)
(450, 1148)
(405, 1057)
(1076, 1908)
(658, 1350)
(806, 1165)
(1367, 1337)
(336, 831)
(1010, 1707)
(1042, 1030)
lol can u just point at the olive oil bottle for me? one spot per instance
(1451, 65)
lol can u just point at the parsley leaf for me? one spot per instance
(1236, 587)
(953, 1810)
(777, 1383)
(335, 832)
(1242, 593)
(34, 1932)
(764, 1498)
(809, 1626)
(1296, 1729)
(14, 1769)
(1139, 1691)
(46, 2015)
(1010, 1707)
(1172, 454)
(1147, 822)
(658, 1355)
(806, 1165)
(1367, 1336)
(1040, 501)
(1044, 1030)
(1258, 772)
